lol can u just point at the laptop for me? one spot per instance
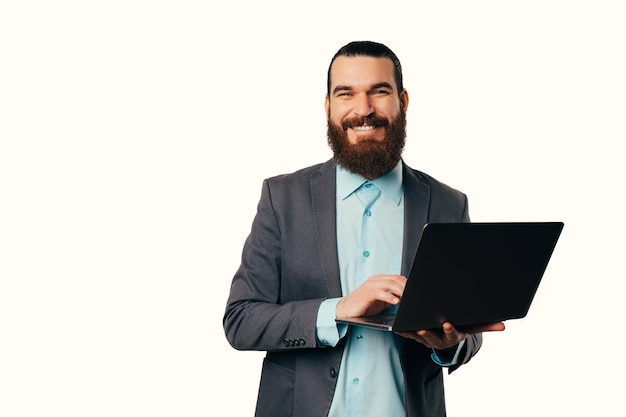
(471, 274)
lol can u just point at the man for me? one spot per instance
(336, 240)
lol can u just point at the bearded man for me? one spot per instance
(336, 240)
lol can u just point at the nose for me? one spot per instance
(363, 106)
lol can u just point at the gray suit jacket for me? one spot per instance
(289, 266)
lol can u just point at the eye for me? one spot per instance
(380, 92)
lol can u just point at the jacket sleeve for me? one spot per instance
(267, 310)
(471, 347)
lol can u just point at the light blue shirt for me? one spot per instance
(370, 382)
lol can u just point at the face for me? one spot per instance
(366, 124)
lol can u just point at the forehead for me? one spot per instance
(361, 71)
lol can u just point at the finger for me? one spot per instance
(388, 297)
(392, 283)
(386, 291)
(430, 338)
(398, 288)
(489, 327)
(449, 330)
(494, 327)
(415, 336)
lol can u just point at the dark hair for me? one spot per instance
(371, 49)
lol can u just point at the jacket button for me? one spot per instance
(333, 372)
(286, 343)
(302, 342)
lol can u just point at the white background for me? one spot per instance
(135, 136)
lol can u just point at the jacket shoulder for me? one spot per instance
(445, 203)
(303, 173)
(436, 186)
(294, 181)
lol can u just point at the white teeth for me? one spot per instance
(363, 127)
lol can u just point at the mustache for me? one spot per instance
(371, 120)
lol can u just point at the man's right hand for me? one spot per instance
(373, 296)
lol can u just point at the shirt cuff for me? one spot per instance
(328, 331)
(454, 360)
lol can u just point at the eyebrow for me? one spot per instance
(382, 85)
(374, 87)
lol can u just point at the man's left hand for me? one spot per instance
(450, 336)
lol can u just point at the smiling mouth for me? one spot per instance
(363, 128)
(365, 124)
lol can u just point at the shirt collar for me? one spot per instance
(389, 184)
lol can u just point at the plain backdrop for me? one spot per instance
(135, 136)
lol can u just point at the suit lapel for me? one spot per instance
(416, 203)
(323, 196)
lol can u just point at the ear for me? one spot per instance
(404, 100)
(327, 106)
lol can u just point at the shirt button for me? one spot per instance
(368, 185)
(356, 381)
(359, 337)
(366, 254)
(368, 213)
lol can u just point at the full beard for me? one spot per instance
(369, 157)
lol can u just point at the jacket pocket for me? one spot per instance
(275, 391)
